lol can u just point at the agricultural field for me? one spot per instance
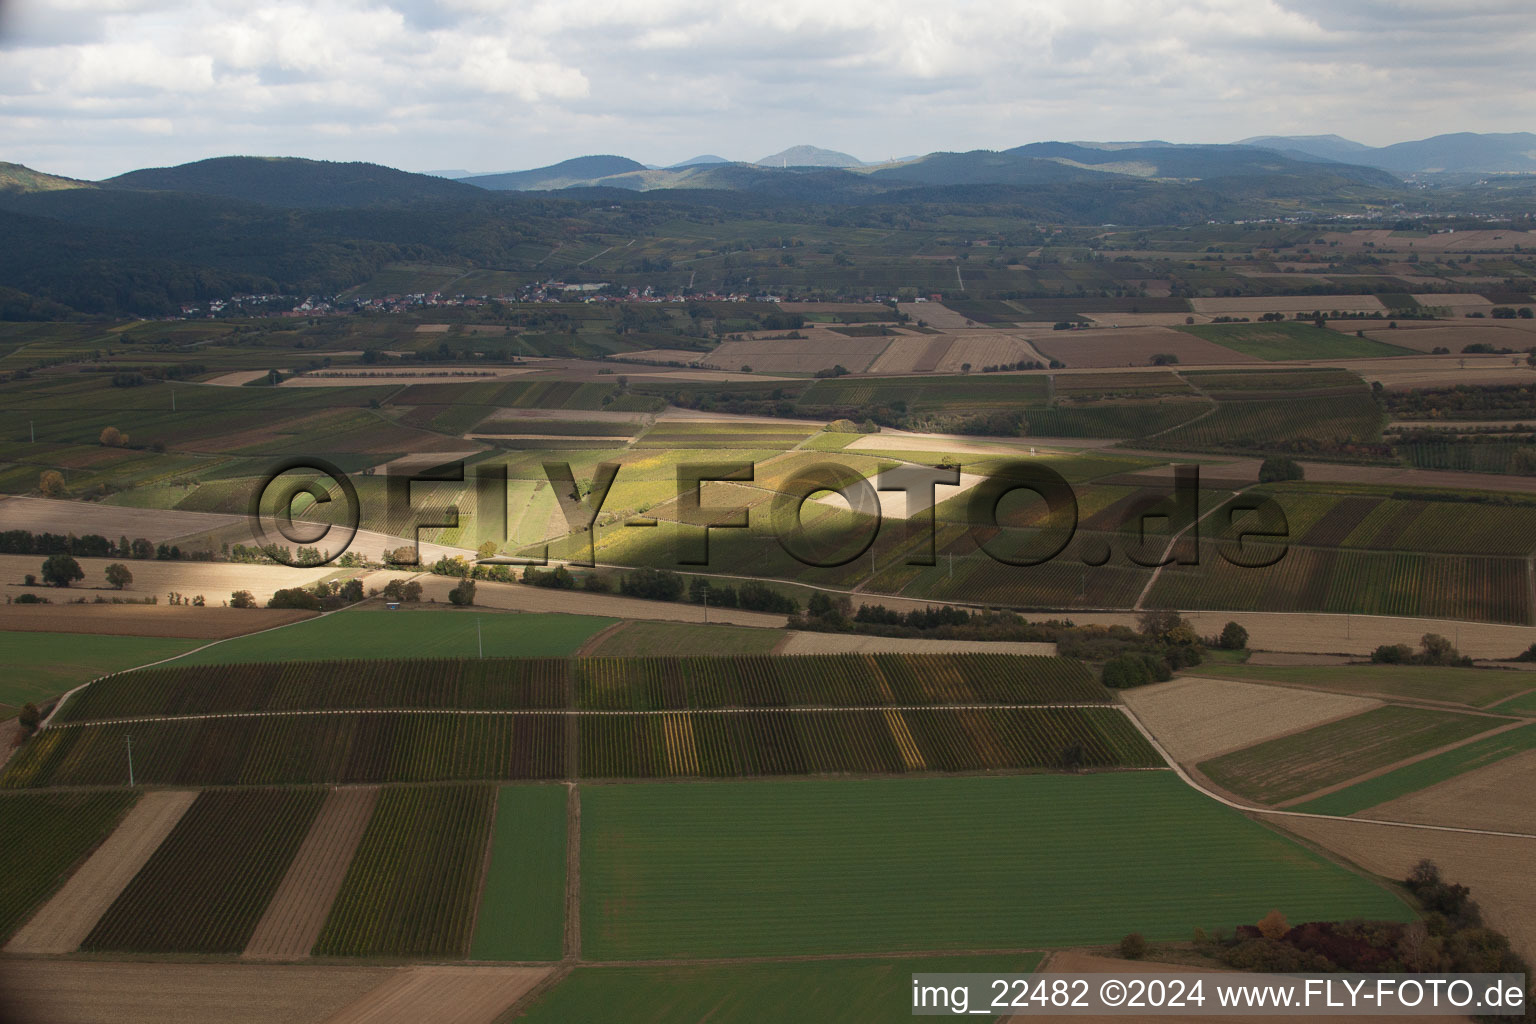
(39, 666)
(656, 639)
(444, 683)
(1474, 687)
(1343, 581)
(1278, 342)
(61, 830)
(411, 888)
(1292, 766)
(1195, 718)
(1422, 774)
(756, 869)
(706, 434)
(827, 742)
(644, 684)
(599, 684)
(522, 910)
(206, 886)
(1134, 346)
(298, 748)
(411, 633)
(862, 991)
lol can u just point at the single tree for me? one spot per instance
(61, 570)
(1234, 637)
(118, 576)
(463, 595)
(29, 718)
(111, 437)
(1276, 468)
(51, 483)
(242, 599)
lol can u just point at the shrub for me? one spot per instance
(1280, 467)
(51, 483)
(1273, 925)
(1392, 654)
(1233, 638)
(463, 595)
(111, 437)
(1133, 946)
(29, 718)
(242, 599)
(295, 597)
(402, 590)
(32, 599)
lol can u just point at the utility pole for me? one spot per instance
(173, 399)
(32, 426)
(130, 760)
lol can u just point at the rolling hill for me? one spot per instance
(291, 182)
(810, 156)
(579, 170)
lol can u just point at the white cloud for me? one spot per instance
(94, 87)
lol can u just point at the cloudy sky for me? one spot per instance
(91, 88)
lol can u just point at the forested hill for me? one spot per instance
(293, 182)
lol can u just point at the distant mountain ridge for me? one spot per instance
(1456, 153)
(292, 182)
(577, 170)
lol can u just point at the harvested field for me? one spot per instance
(983, 350)
(1495, 797)
(442, 995)
(659, 639)
(937, 315)
(237, 379)
(1195, 718)
(1259, 304)
(144, 620)
(1443, 370)
(73, 992)
(913, 355)
(1134, 346)
(292, 922)
(1458, 303)
(42, 515)
(819, 350)
(213, 580)
(516, 597)
(849, 643)
(66, 919)
(1483, 863)
(373, 378)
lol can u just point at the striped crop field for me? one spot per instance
(606, 684)
(412, 886)
(207, 885)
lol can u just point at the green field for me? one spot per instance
(1522, 705)
(522, 911)
(411, 887)
(60, 829)
(1305, 762)
(1476, 687)
(655, 639)
(1277, 342)
(872, 991)
(411, 633)
(43, 665)
(1018, 862)
(1421, 774)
